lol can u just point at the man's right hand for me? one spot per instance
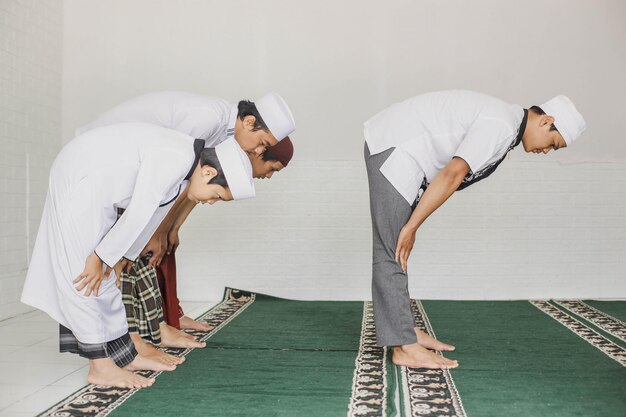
(406, 240)
(91, 277)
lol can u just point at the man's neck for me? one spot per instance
(531, 121)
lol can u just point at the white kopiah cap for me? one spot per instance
(567, 119)
(276, 115)
(237, 169)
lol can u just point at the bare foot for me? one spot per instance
(429, 342)
(149, 351)
(105, 372)
(171, 337)
(191, 324)
(173, 330)
(416, 356)
(142, 363)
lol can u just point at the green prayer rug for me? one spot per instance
(275, 357)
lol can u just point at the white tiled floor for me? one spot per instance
(33, 374)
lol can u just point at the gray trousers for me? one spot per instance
(390, 292)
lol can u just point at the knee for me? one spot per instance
(387, 267)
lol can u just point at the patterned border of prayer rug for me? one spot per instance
(94, 400)
(428, 392)
(608, 323)
(369, 386)
(606, 346)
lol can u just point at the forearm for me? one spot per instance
(158, 242)
(170, 219)
(440, 189)
(183, 212)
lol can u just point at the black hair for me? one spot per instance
(269, 156)
(248, 108)
(538, 110)
(209, 157)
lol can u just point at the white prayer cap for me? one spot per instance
(237, 169)
(276, 115)
(567, 119)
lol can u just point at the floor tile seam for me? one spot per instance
(71, 373)
(40, 362)
(30, 395)
(23, 316)
(40, 341)
(40, 388)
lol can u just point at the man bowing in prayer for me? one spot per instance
(256, 126)
(137, 167)
(439, 142)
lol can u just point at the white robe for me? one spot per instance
(203, 117)
(133, 166)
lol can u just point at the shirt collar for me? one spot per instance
(522, 129)
(232, 120)
(198, 146)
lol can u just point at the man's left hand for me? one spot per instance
(157, 245)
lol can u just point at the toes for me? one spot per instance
(138, 384)
(142, 382)
(452, 364)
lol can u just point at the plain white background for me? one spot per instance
(542, 226)
(339, 62)
(536, 229)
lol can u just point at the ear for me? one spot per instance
(208, 173)
(546, 119)
(249, 121)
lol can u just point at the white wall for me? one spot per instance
(30, 132)
(533, 230)
(543, 226)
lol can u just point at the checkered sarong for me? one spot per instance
(121, 350)
(142, 300)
